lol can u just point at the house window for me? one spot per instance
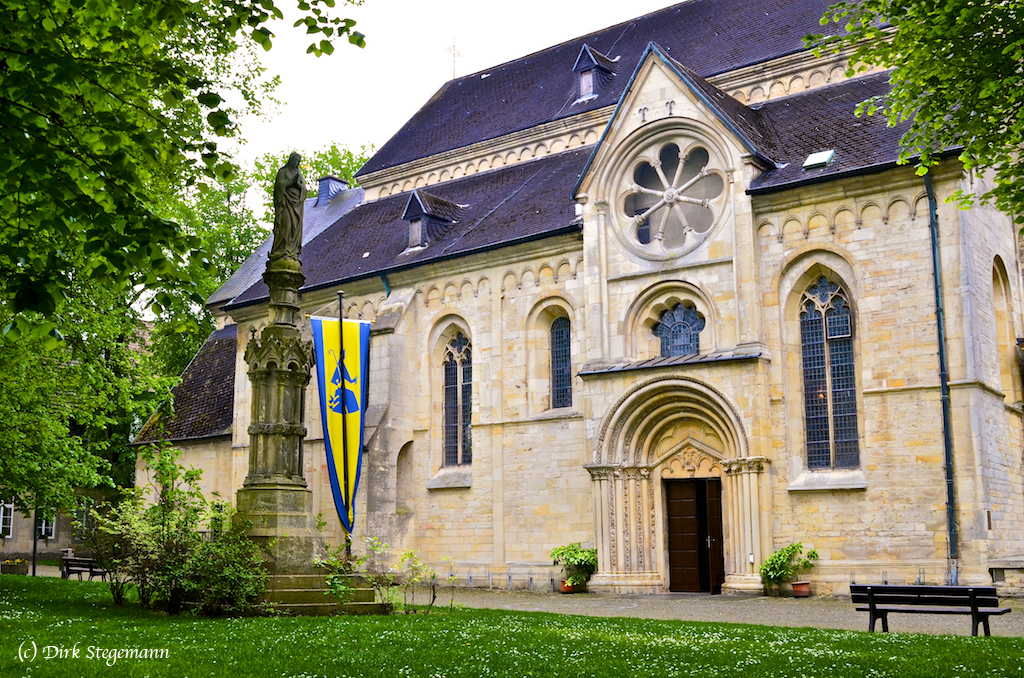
(458, 398)
(561, 364)
(586, 83)
(830, 397)
(7, 519)
(83, 525)
(46, 529)
(679, 331)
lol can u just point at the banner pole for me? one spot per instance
(344, 419)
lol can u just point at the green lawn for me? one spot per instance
(52, 612)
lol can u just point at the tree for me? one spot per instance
(228, 233)
(339, 161)
(957, 74)
(98, 99)
(68, 407)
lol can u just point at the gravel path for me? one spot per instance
(832, 613)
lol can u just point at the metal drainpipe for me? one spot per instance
(387, 287)
(940, 321)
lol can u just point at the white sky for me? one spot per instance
(363, 96)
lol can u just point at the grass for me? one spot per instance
(53, 612)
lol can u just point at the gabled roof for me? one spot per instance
(589, 58)
(204, 401)
(745, 123)
(710, 36)
(421, 202)
(498, 208)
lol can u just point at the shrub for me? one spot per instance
(578, 563)
(161, 549)
(783, 565)
(226, 569)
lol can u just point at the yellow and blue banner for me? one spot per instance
(342, 370)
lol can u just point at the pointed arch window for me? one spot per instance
(561, 364)
(830, 395)
(680, 330)
(458, 402)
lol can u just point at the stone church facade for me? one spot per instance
(658, 290)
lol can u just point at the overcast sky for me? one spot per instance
(363, 96)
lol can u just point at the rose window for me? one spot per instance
(672, 200)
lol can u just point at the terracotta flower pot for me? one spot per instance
(568, 588)
(801, 589)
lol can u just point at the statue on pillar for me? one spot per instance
(289, 207)
(274, 497)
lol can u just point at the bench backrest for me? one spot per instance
(77, 562)
(885, 594)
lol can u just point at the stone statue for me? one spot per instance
(289, 204)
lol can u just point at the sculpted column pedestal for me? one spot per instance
(274, 497)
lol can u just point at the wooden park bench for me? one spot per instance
(980, 602)
(80, 566)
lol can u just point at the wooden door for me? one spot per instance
(694, 525)
(683, 536)
(716, 552)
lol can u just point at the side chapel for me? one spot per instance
(658, 290)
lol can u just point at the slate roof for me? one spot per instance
(437, 207)
(204, 400)
(709, 36)
(821, 119)
(315, 220)
(534, 199)
(497, 208)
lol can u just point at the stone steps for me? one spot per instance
(307, 594)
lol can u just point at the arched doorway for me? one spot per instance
(679, 504)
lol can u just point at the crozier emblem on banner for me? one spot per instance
(342, 370)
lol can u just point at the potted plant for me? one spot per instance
(784, 565)
(16, 566)
(578, 563)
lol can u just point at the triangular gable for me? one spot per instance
(590, 58)
(422, 203)
(742, 121)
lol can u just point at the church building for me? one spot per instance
(659, 290)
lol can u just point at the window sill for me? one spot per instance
(824, 481)
(451, 477)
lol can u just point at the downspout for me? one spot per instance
(387, 287)
(947, 434)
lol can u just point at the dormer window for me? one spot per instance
(593, 73)
(415, 232)
(587, 83)
(428, 218)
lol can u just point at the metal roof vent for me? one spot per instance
(819, 159)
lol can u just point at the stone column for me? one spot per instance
(745, 494)
(274, 497)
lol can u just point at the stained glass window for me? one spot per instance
(458, 402)
(830, 396)
(680, 330)
(561, 364)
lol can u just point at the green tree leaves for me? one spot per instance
(100, 99)
(957, 73)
